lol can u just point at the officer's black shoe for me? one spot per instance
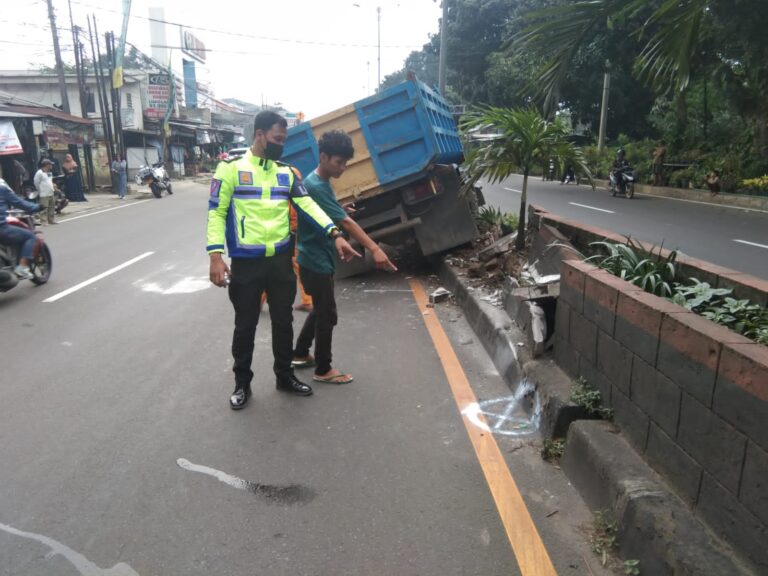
(293, 385)
(239, 397)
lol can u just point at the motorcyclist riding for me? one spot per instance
(621, 160)
(13, 234)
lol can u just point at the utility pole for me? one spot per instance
(59, 64)
(604, 107)
(109, 42)
(78, 63)
(378, 46)
(102, 96)
(443, 49)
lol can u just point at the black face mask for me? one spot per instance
(273, 151)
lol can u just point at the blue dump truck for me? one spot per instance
(404, 179)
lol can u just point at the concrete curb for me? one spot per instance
(653, 525)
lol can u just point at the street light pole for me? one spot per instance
(443, 49)
(378, 22)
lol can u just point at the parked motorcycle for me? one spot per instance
(156, 177)
(41, 263)
(29, 192)
(622, 180)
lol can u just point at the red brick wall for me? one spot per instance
(690, 395)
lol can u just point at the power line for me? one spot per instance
(251, 36)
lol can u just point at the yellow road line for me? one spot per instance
(532, 557)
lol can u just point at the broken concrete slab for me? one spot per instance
(498, 248)
(439, 295)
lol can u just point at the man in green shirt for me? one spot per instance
(317, 259)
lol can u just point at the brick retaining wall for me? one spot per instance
(690, 395)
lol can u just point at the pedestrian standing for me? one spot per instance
(658, 163)
(46, 190)
(317, 259)
(248, 215)
(120, 170)
(73, 188)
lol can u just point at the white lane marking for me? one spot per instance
(105, 210)
(750, 243)
(233, 481)
(80, 562)
(703, 203)
(90, 281)
(591, 207)
(514, 190)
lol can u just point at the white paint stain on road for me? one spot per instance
(290, 494)
(80, 562)
(188, 285)
(228, 479)
(505, 416)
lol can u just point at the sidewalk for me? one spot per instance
(758, 203)
(102, 199)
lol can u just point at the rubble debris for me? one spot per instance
(475, 270)
(439, 295)
(497, 248)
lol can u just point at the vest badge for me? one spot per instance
(245, 178)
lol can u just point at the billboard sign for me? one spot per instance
(9, 140)
(158, 95)
(191, 46)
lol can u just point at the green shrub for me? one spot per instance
(654, 274)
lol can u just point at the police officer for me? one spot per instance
(248, 211)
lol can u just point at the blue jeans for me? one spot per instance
(18, 236)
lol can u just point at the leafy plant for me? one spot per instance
(756, 184)
(490, 215)
(589, 398)
(715, 304)
(496, 220)
(553, 449)
(603, 537)
(510, 221)
(698, 294)
(653, 273)
(632, 567)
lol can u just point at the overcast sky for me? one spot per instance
(311, 56)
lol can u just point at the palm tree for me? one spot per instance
(669, 32)
(522, 138)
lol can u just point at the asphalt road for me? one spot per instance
(119, 455)
(731, 237)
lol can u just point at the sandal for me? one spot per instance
(303, 362)
(334, 379)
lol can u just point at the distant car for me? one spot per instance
(235, 152)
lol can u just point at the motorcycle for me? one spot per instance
(41, 264)
(29, 192)
(622, 180)
(156, 176)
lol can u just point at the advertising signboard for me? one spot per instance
(158, 95)
(9, 140)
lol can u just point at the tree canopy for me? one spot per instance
(692, 72)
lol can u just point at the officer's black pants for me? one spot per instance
(250, 278)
